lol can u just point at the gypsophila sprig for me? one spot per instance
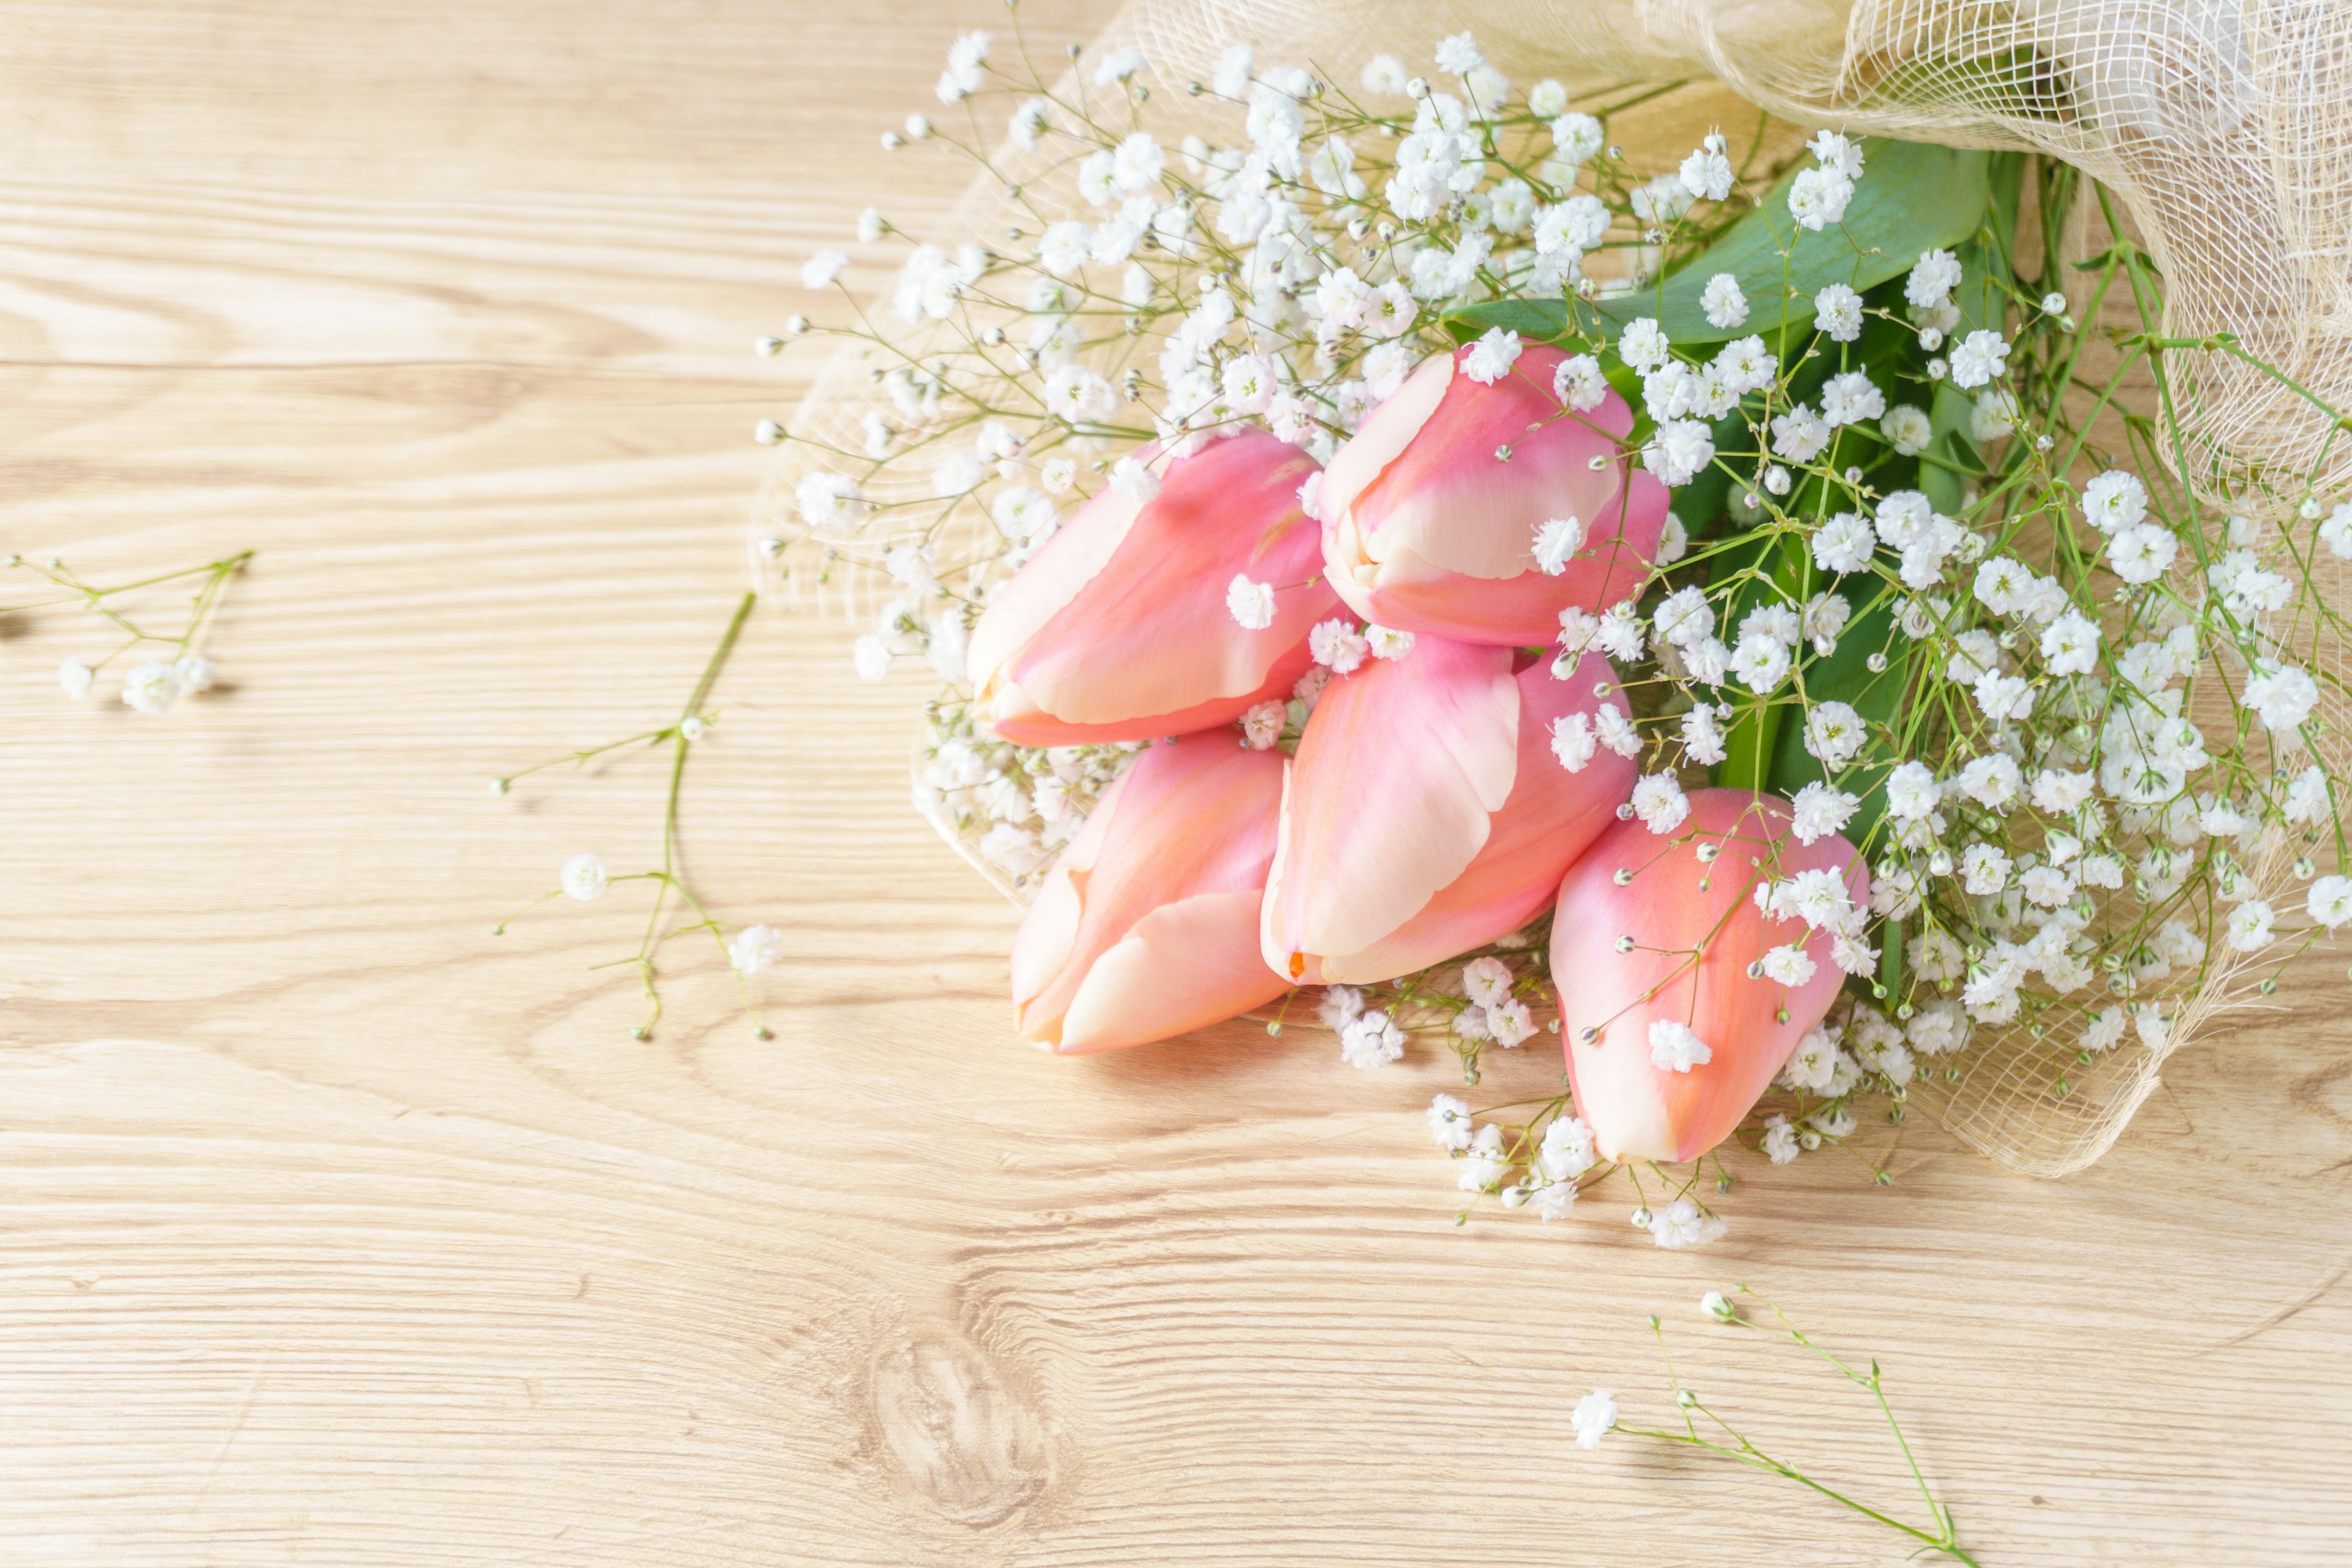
(2035, 700)
(168, 664)
(584, 877)
(1707, 1429)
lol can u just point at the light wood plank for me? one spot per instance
(339, 1231)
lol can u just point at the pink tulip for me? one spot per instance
(1426, 813)
(1673, 903)
(1426, 529)
(1118, 628)
(1147, 926)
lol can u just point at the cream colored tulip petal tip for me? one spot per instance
(1489, 564)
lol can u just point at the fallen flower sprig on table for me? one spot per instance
(1596, 1415)
(583, 877)
(153, 684)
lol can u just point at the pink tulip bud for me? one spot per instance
(1427, 812)
(1147, 926)
(1671, 1037)
(1434, 515)
(1119, 630)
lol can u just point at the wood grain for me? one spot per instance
(339, 1231)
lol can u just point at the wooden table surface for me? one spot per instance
(339, 1231)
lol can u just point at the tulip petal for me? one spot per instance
(1440, 537)
(1550, 820)
(1397, 777)
(1181, 967)
(1189, 819)
(1673, 905)
(1127, 636)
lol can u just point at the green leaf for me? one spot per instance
(1912, 197)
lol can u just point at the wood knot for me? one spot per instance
(956, 1431)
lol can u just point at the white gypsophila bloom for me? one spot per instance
(1983, 869)
(1386, 642)
(2105, 1031)
(1021, 513)
(2114, 500)
(1027, 120)
(1248, 383)
(1510, 1022)
(1982, 357)
(1684, 617)
(2249, 926)
(1708, 661)
(1837, 1121)
(1557, 542)
(1579, 630)
(2142, 552)
(1338, 647)
(1570, 228)
(150, 687)
(2329, 901)
(830, 501)
(1993, 780)
(1995, 415)
(2307, 798)
(1819, 810)
(1788, 964)
(2047, 886)
(950, 639)
(1743, 366)
(1386, 367)
(1578, 384)
(1613, 729)
(2061, 793)
(1678, 449)
(1722, 301)
(1339, 1007)
(1492, 356)
(1573, 741)
(1486, 981)
(1761, 663)
(1937, 1028)
(1817, 198)
(1833, 149)
(1674, 1047)
(584, 877)
(1459, 56)
(1912, 792)
(1936, 956)
(1780, 1144)
(1932, 279)
(1844, 543)
(2337, 532)
(2003, 698)
(1371, 1040)
(871, 657)
(1385, 75)
(1826, 618)
(1232, 76)
(2282, 697)
(1059, 476)
(1683, 1224)
(1813, 1064)
(1620, 632)
(1567, 1150)
(1851, 398)
(1137, 161)
(1449, 1122)
(1703, 738)
(1643, 344)
(1659, 802)
(755, 948)
(822, 269)
(1834, 733)
(1012, 849)
(1118, 66)
(2070, 644)
(1706, 174)
(1546, 98)
(1064, 248)
(1906, 430)
(1595, 1414)
(74, 678)
(1575, 138)
(1261, 725)
(1251, 603)
(1838, 310)
(2149, 1021)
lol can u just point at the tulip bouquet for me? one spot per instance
(1765, 621)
